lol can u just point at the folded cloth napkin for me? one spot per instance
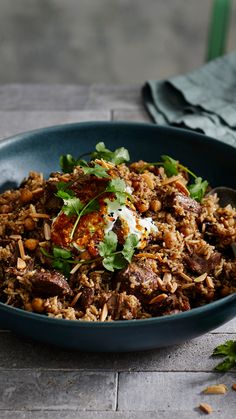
(203, 100)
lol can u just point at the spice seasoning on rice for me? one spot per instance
(110, 241)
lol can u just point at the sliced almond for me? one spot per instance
(15, 236)
(158, 299)
(206, 408)
(76, 267)
(20, 264)
(209, 282)
(201, 278)
(172, 287)
(21, 249)
(47, 231)
(75, 299)
(39, 215)
(216, 389)
(104, 313)
(186, 277)
(182, 188)
(171, 179)
(167, 277)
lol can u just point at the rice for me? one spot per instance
(186, 262)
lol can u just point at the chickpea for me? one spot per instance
(29, 224)
(38, 305)
(170, 239)
(155, 205)
(26, 196)
(31, 244)
(142, 206)
(149, 180)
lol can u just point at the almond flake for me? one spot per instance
(158, 299)
(216, 389)
(201, 278)
(104, 313)
(206, 408)
(20, 264)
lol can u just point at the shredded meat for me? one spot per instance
(49, 283)
(200, 265)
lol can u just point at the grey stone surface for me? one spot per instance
(86, 41)
(14, 122)
(56, 390)
(134, 115)
(195, 414)
(68, 97)
(180, 391)
(194, 355)
(229, 327)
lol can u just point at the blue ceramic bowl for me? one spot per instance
(40, 150)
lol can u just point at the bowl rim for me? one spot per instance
(194, 312)
(124, 124)
(168, 318)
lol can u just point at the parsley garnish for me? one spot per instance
(113, 259)
(198, 189)
(96, 170)
(61, 259)
(68, 163)
(118, 186)
(171, 166)
(227, 350)
(118, 156)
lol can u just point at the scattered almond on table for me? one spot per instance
(234, 386)
(216, 389)
(206, 408)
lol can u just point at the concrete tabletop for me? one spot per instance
(38, 381)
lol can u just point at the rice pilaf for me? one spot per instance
(145, 251)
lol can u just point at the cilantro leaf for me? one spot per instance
(68, 163)
(92, 206)
(227, 350)
(62, 266)
(72, 206)
(129, 246)
(96, 170)
(115, 261)
(58, 252)
(170, 165)
(118, 186)
(64, 186)
(118, 156)
(108, 246)
(198, 189)
(63, 194)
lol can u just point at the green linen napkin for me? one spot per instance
(203, 100)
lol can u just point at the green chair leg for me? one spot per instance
(218, 29)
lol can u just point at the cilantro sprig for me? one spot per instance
(197, 189)
(228, 351)
(61, 259)
(113, 258)
(118, 156)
